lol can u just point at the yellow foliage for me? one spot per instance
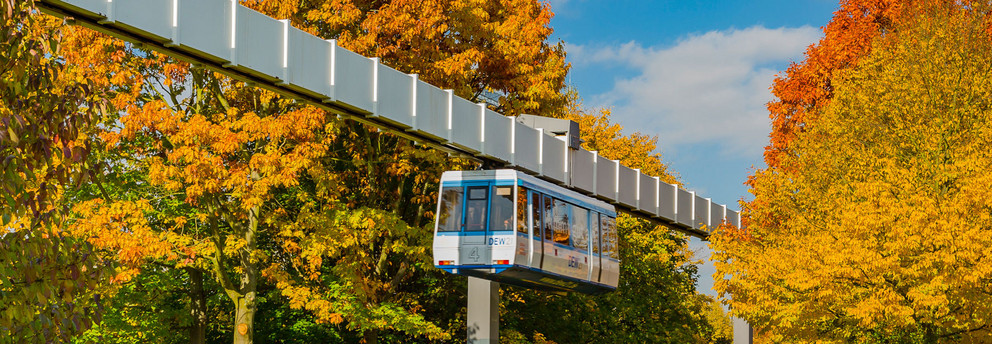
(878, 228)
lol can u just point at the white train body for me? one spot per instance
(514, 228)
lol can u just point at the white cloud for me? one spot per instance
(709, 88)
(557, 5)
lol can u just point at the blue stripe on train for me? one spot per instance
(497, 182)
(474, 233)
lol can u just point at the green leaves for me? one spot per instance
(47, 290)
(47, 286)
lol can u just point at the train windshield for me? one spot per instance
(449, 219)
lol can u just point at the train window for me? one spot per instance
(594, 223)
(609, 236)
(548, 218)
(579, 227)
(521, 209)
(535, 202)
(475, 208)
(562, 215)
(449, 219)
(501, 214)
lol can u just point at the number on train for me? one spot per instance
(510, 227)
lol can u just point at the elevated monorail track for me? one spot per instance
(228, 38)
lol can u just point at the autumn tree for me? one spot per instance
(209, 187)
(879, 230)
(805, 87)
(47, 280)
(656, 301)
(275, 193)
(493, 51)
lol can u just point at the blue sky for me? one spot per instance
(694, 73)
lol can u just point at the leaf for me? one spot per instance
(12, 135)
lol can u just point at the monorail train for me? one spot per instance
(510, 227)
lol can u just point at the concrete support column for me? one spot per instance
(743, 333)
(483, 311)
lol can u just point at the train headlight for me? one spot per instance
(446, 262)
(501, 262)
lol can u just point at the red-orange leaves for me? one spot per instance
(806, 85)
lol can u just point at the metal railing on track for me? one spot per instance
(226, 37)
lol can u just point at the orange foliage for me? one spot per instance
(481, 49)
(122, 230)
(806, 86)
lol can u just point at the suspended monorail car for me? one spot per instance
(510, 227)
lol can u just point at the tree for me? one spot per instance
(879, 230)
(494, 51)
(330, 212)
(806, 87)
(656, 301)
(47, 280)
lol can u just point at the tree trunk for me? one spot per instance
(244, 319)
(243, 295)
(197, 307)
(370, 337)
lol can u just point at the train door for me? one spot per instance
(535, 247)
(474, 235)
(501, 234)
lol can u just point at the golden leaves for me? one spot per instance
(875, 226)
(470, 46)
(123, 229)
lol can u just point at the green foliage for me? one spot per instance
(47, 280)
(218, 201)
(149, 307)
(280, 323)
(656, 301)
(47, 285)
